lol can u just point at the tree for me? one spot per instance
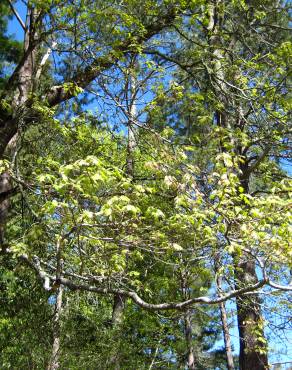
(219, 79)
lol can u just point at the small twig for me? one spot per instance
(154, 357)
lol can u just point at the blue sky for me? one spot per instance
(14, 27)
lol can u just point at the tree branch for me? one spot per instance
(35, 264)
(60, 93)
(44, 60)
(286, 288)
(163, 306)
(15, 12)
(258, 161)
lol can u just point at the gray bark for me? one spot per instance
(225, 329)
(224, 320)
(189, 341)
(190, 356)
(54, 362)
(118, 308)
(226, 335)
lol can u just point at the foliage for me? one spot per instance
(173, 183)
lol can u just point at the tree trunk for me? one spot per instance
(55, 356)
(188, 328)
(23, 81)
(226, 336)
(119, 300)
(118, 307)
(224, 321)
(189, 340)
(117, 320)
(252, 342)
(5, 187)
(253, 349)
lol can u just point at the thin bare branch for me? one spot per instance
(15, 12)
(44, 60)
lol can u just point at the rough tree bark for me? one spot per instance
(253, 349)
(117, 320)
(252, 354)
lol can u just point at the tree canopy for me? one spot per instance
(144, 194)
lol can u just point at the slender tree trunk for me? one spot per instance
(119, 300)
(224, 321)
(5, 187)
(189, 340)
(188, 328)
(55, 356)
(117, 320)
(131, 145)
(226, 336)
(25, 75)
